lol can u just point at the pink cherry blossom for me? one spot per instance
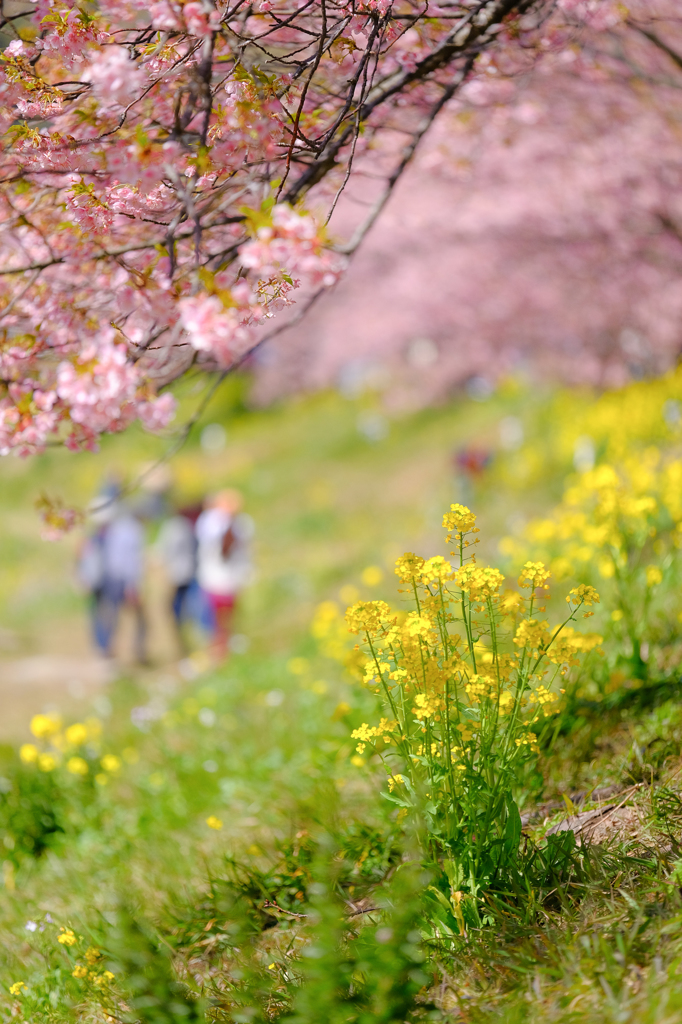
(176, 176)
(114, 77)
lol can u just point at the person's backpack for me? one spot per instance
(228, 541)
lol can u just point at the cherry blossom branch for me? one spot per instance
(407, 155)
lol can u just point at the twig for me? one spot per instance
(271, 904)
(407, 156)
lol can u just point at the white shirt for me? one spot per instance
(215, 573)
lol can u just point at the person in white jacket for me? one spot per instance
(223, 560)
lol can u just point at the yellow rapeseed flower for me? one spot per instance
(28, 753)
(214, 822)
(583, 594)
(459, 521)
(654, 576)
(395, 780)
(326, 614)
(367, 616)
(77, 766)
(372, 575)
(511, 602)
(76, 734)
(436, 568)
(408, 567)
(480, 688)
(479, 581)
(80, 971)
(417, 625)
(427, 705)
(102, 979)
(17, 988)
(67, 937)
(44, 726)
(92, 955)
(47, 762)
(533, 635)
(534, 574)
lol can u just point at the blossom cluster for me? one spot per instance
(454, 677)
(77, 747)
(464, 708)
(155, 165)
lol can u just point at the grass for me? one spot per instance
(308, 903)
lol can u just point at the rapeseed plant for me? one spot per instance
(466, 679)
(620, 522)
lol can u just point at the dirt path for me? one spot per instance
(45, 682)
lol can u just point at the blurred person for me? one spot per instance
(224, 560)
(469, 464)
(123, 563)
(90, 568)
(177, 548)
(155, 483)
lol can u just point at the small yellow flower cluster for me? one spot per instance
(45, 726)
(427, 706)
(67, 937)
(408, 568)
(545, 699)
(17, 988)
(583, 594)
(609, 517)
(506, 702)
(481, 688)
(459, 521)
(417, 625)
(395, 780)
(329, 630)
(569, 644)
(99, 979)
(214, 823)
(512, 603)
(48, 728)
(77, 766)
(367, 733)
(367, 616)
(533, 635)
(528, 740)
(92, 956)
(479, 582)
(534, 574)
(436, 569)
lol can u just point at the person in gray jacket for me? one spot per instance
(123, 563)
(177, 549)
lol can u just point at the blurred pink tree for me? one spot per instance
(168, 169)
(539, 228)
